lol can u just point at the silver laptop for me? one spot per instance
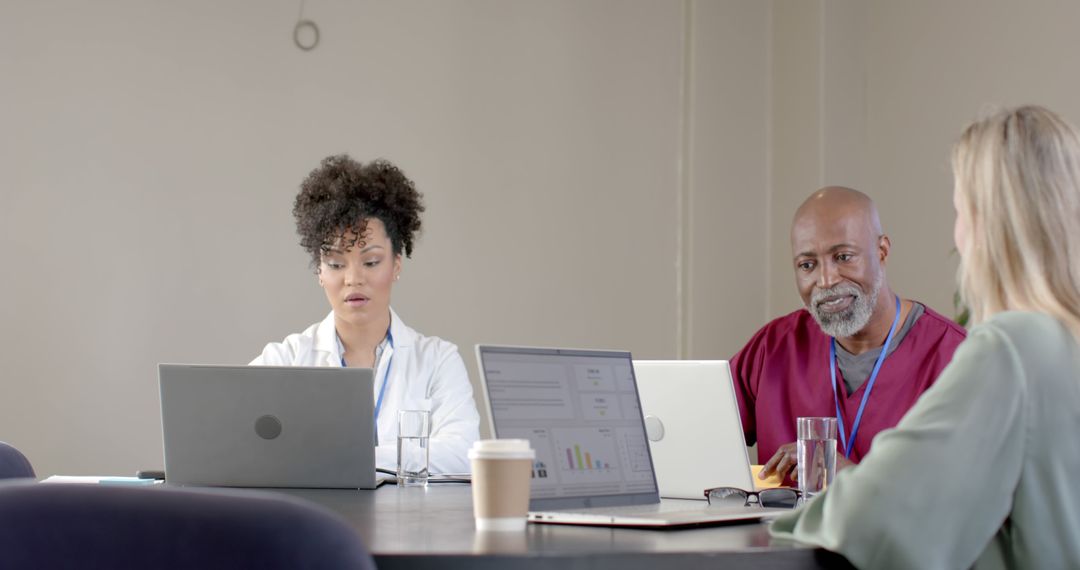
(268, 426)
(693, 426)
(581, 412)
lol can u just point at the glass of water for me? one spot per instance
(414, 428)
(816, 455)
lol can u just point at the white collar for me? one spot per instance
(326, 339)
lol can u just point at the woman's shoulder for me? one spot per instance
(424, 346)
(1041, 342)
(433, 345)
(294, 349)
(1028, 329)
(1016, 320)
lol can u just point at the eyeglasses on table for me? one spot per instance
(780, 497)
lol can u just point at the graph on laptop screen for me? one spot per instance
(580, 410)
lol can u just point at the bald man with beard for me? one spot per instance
(839, 253)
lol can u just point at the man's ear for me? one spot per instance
(883, 248)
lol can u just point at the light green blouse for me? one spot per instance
(984, 470)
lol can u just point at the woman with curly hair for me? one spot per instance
(356, 220)
(982, 471)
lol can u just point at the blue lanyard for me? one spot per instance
(386, 377)
(848, 444)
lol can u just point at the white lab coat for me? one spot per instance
(426, 373)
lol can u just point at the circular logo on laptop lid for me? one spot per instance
(654, 428)
(268, 427)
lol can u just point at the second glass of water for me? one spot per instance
(816, 449)
(414, 428)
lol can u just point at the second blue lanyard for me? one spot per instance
(386, 376)
(849, 443)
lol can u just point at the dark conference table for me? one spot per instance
(421, 528)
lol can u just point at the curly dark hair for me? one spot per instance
(338, 197)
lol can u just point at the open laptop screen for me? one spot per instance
(580, 409)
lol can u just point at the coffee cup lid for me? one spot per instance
(501, 449)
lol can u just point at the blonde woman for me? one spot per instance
(982, 470)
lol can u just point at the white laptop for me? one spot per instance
(580, 410)
(268, 426)
(692, 422)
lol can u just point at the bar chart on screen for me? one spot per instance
(544, 475)
(586, 455)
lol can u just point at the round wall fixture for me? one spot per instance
(306, 35)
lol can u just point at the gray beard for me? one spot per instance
(854, 318)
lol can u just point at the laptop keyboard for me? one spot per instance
(650, 509)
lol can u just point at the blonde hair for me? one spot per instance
(1017, 176)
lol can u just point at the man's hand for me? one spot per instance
(843, 462)
(785, 460)
(782, 464)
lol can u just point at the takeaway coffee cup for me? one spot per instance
(501, 472)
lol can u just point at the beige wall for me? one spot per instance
(727, 150)
(795, 136)
(151, 151)
(606, 173)
(877, 92)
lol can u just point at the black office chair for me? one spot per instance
(97, 526)
(13, 464)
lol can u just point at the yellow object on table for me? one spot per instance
(769, 483)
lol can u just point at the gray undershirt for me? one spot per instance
(856, 368)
